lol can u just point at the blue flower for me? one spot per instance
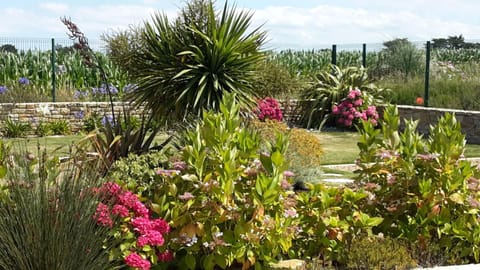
(107, 119)
(24, 81)
(3, 89)
(79, 114)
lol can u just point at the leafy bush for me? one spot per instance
(59, 127)
(224, 204)
(273, 79)
(330, 218)
(15, 129)
(365, 253)
(268, 108)
(304, 149)
(422, 187)
(46, 218)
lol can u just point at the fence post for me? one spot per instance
(334, 54)
(427, 73)
(54, 83)
(364, 55)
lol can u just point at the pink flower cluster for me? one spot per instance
(268, 108)
(148, 231)
(353, 108)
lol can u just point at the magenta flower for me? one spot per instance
(269, 108)
(136, 261)
(102, 215)
(288, 174)
(152, 238)
(120, 210)
(166, 256)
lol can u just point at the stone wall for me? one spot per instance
(470, 120)
(74, 112)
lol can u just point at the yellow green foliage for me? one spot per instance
(304, 149)
(378, 253)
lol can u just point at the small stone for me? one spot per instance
(289, 265)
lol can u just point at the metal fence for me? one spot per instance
(45, 44)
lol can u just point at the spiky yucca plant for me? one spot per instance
(186, 66)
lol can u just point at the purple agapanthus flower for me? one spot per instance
(3, 89)
(107, 119)
(24, 81)
(79, 114)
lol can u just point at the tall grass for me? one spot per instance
(46, 215)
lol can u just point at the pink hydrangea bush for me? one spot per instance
(268, 108)
(143, 237)
(355, 107)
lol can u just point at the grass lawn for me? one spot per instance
(339, 147)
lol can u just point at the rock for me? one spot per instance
(289, 265)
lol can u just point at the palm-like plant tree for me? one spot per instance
(186, 66)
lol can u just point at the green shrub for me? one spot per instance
(422, 187)
(330, 218)
(59, 127)
(43, 129)
(274, 80)
(14, 129)
(138, 172)
(224, 203)
(378, 253)
(304, 149)
(92, 122)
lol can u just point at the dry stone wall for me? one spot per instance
(73, 112)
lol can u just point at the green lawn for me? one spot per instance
(339, 147)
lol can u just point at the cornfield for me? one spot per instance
(71, 74)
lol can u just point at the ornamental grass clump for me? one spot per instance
(46, 211)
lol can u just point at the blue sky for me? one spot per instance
(290, 24)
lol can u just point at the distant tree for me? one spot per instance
(64, 49)
(8, 48)
(453, 43)
(403, 56)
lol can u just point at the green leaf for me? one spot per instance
(277, 159)
(190, 261)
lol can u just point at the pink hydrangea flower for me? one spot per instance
(141, 210)
(152, 238)
(161, 226)
(120, 210)
(166, 256)
(128, 199)
(142, 224)
(136, 261)
(102, 215)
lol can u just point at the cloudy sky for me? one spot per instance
(290, 24)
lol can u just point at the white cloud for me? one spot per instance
(327, 24)
(54, 7)
(348, 21)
